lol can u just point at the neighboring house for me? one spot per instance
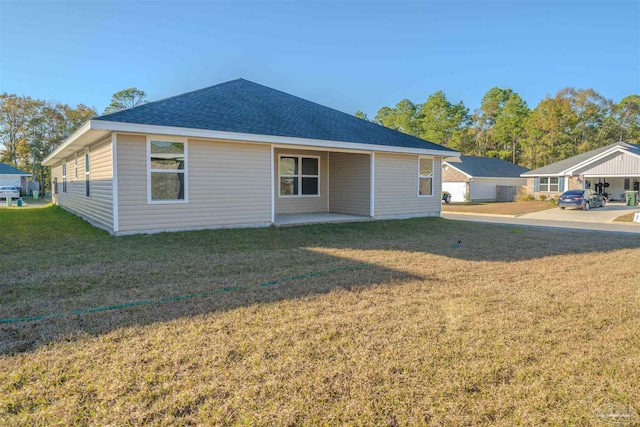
(10, 176)
(613, 170)
(477, 178)
(240, 154)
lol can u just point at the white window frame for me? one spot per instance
(64, 176)
(420, 176)
(87, 173)
(166, 138)
(299, 176)
(548, 184)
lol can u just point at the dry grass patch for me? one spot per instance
(499, 208)
(626, 218)
(503, 330)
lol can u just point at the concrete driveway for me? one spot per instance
(602, 215)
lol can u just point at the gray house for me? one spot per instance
(613, 170)
(240, 154)
(478, 178)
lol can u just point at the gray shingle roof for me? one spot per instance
(488, 167)
(246, 107)
(10, 170)
(558, 167)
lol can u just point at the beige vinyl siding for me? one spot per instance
(349, 189)
(301, 204)
(228, 185)
(98, 208)
(396, 187)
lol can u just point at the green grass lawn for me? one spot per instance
(375, 323)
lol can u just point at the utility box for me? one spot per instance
(631, 197)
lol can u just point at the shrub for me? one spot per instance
(542, 197)
(524, 197)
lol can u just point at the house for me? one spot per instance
(612, 170)
(10, 176)
(240, 154)
(477, 178)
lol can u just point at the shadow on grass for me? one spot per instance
(53, 262)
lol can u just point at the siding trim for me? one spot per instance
(238, 136)
(372, 189)
(328, 180)
(273, 185)
(114, 174)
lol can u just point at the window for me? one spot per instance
(167, 176)
(425, 177)
(299, 176)
(64, 176)
(75, 166)
(627, 183)
(549, 184)
(87, 177)
(55, 185)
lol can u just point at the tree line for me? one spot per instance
(572, 122)
(30, 129)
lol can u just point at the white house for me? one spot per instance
(478, 178)
(10, 176)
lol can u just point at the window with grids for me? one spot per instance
(87, 175)
(299, 176)
(425, 177)
(167, 169)
(549, 184)
(64, 176)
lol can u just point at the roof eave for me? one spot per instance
(106, 125)
(83, 136)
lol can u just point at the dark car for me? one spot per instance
(581, 199)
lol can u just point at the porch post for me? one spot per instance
(372, 173)
(272, 186)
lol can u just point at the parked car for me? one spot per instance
(446, 197)
(6, 192)
(581, 199)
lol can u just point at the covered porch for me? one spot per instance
(313, 186)
(284, 220)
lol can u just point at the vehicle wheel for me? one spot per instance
(586, 206)
(562, 207)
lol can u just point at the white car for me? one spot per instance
(6, 192)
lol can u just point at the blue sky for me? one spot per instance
(349, 55)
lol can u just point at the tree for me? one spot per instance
(441, 121)
(626, 119)
(509, 129)
(485, 117)
(31, 128)
(125, 99)
(15, 114)
(402, 117)
(361, 115)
